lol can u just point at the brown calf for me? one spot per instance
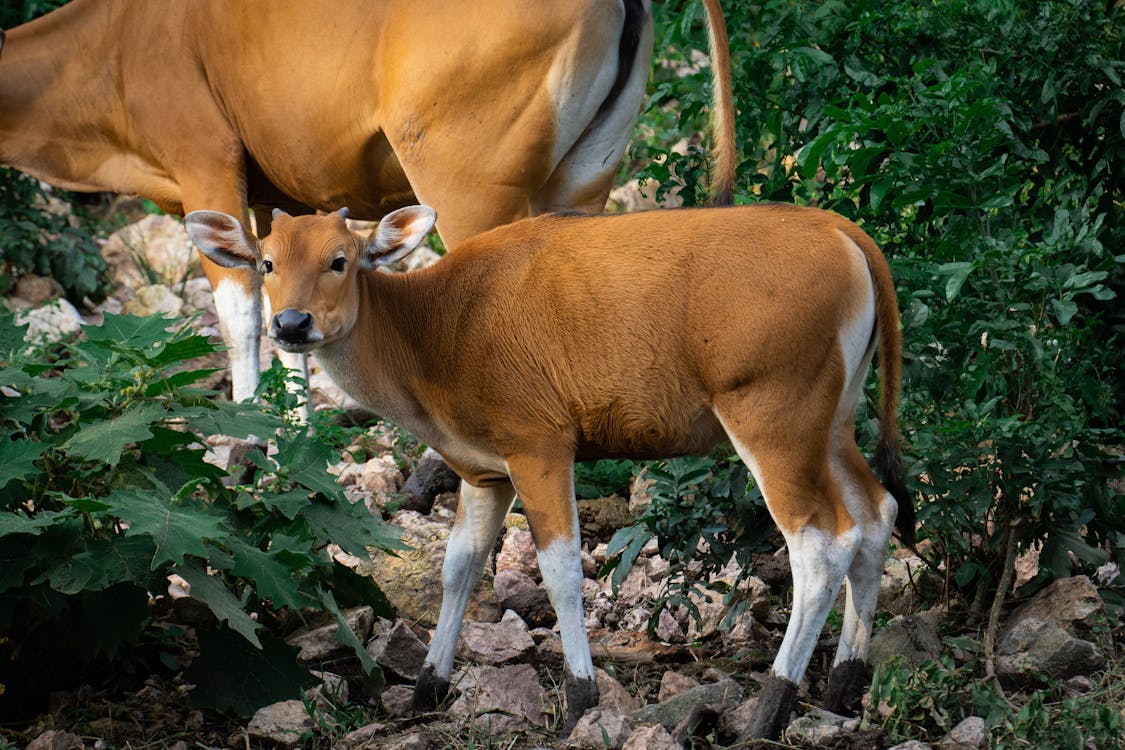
(641, 335)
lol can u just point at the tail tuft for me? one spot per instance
(890, 467)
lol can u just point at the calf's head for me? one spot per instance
(309, 265)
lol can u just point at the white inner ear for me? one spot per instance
(221, 238)
(399, 234)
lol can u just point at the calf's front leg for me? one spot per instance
(480, 513)
(546, 491)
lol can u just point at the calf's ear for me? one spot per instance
(222, 238)
(398, 234)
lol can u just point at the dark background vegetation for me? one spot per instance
(980, 142)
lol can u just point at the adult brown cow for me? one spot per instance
(490, 111)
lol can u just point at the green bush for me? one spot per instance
(37, 240)
(703, 513)
(104, 493)
(982, 144)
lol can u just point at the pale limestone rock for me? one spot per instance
(51, 322)
(496, 642)
(155, 299)
(518, 553)
(282, 723)
(651, 737)
(500, 699)
(601, 729)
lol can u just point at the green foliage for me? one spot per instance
(38, 240)
(15, 12)
(703, 513)
(603, 478)
(982, 144)
(104, 484)
(923, 703)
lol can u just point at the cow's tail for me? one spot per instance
(723, 152)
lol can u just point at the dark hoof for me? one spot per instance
(775, 703)
(429, 691)
(846, 685)
(581, 694)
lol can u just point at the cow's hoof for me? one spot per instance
(429, 691)
(581, 694)
(775, 703)
(846, 684)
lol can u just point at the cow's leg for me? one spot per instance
(789, 459)
(875, 511)
(546, 491)
(239, 307)
(480, 514)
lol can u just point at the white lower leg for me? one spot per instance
(819, 561)
(561, 565)
(240, 319)
(863, 579)
(480, 514)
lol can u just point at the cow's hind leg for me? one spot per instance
(791, 468)
(874, 510)
(480, 513)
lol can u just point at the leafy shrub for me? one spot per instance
(104, 493)
(38, 240)
(925, 702)
(982, 144)
(15, 12)
(703, 513)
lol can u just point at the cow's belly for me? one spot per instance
(363, 175)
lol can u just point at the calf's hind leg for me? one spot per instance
(822, 541)
(875, 510)
(480, 513)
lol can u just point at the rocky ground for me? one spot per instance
(689, 685)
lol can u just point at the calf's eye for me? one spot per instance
(267, 266)
(338, 264)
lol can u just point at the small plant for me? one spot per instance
(105, 491)
(703, 513)
(594, 479)
(36, 239)
(925, 702)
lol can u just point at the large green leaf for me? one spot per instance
(273, 579)
(106, 440)
(17, 459)
(20, 523)
(346, 637)
(227, 418)
(176, 529)
(104, 563)
(306, 462)
(289, 504)
(210, 590)
(11, 336)
(352, 527)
